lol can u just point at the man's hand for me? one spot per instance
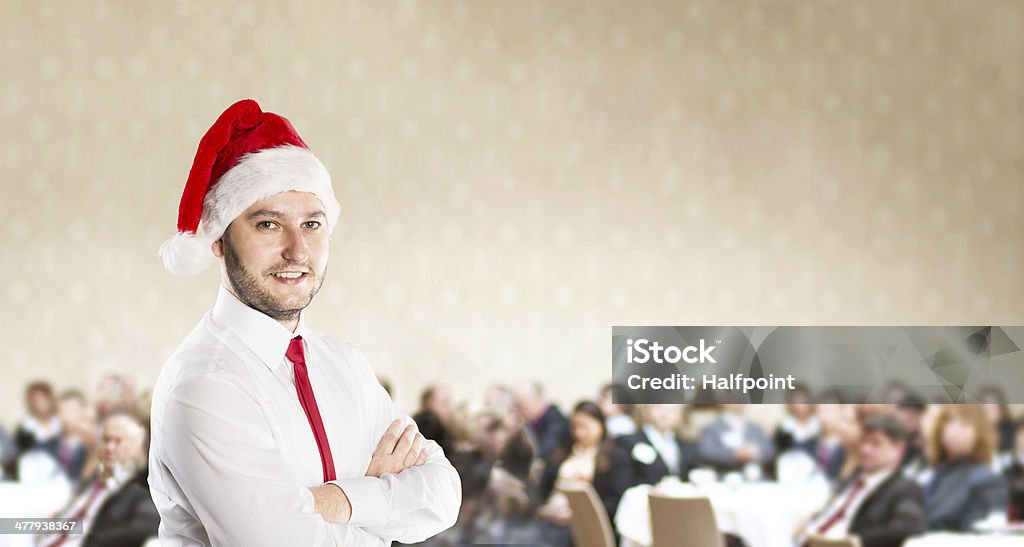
(332, 503)
(396, 453)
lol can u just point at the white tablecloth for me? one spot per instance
(763, 514)
(965, 540)
(30, 501)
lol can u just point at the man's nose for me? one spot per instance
(295, 248)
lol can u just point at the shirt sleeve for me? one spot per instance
(410, 506)
(219, 448)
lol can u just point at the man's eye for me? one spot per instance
(265, 225)
(312, 224)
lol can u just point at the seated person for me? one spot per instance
(589, 457)
(800, 428)
(911, 410)
(40, 429)
(1013, 470)
(962, 489)
(840, 436)
(879, 505)
(734, 443)
(657, 450)
(618, 416)
(544, 421)
(116, 510)
(77, 433)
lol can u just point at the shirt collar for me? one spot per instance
(267, 338)
(873, 479)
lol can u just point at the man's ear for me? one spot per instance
(218, 248)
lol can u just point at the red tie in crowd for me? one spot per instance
(841, 511)
(297, 356)
(82, 511)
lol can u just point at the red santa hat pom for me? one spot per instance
(247, 155)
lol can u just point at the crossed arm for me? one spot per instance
(397, 451)
(227, 463)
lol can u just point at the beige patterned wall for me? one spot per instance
(516, 177)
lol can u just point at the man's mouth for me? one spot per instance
(290, 278)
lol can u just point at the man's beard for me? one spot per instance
(248, 289)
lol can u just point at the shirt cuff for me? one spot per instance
(366, 496)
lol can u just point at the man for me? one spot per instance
(734, 443)
(657, 450)
(116, 510)
(878, 504)
(547, 424)
(266, 432)
(910, 411)
(434, 417)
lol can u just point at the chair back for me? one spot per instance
(590, 524)
(683, 521)
(818, 541)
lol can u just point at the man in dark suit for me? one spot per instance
(547, 424)
(878, 504)
(657, 450)
(116, 509)
(127, 518)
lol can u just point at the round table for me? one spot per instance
(764, 514)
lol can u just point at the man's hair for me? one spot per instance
(427, 395)
(886, 424)
(913, 401)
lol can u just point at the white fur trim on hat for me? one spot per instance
(256, 176)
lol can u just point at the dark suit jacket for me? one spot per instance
(127, 518)
(609, 482)
(551, 431)
(890, 514)
(644, 473)
(962, 493)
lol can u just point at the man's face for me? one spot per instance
(664, 417)
(878, 452)
(71, 412)
(122, 442)
(275, 254)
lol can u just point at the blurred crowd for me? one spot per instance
(935, 466)
(516, 450)
(97, 449)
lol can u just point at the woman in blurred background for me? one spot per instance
(963, 489)
(589, 457)
(800, 428)
(40, 430)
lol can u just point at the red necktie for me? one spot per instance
(80, 514)
(297, 356)
(841, 512)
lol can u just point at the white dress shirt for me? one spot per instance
(233, 453)
(666, 445)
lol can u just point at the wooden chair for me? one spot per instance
(590, 524)
(818, 541)
(683, 521)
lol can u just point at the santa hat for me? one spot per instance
(247, 155)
